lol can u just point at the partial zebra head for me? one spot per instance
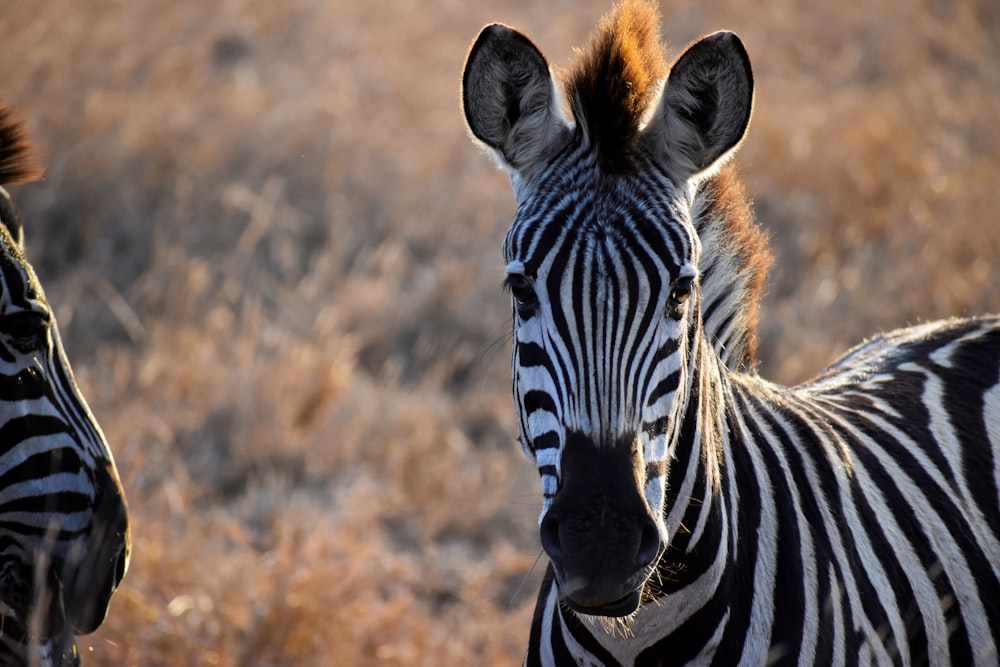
(602, 263)
(64, 534)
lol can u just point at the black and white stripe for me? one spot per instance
(851, 520)
(695, 513)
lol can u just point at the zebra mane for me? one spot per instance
(16, 163)
(16, 166)
(615, 81)
(735, 259)
(610, 90)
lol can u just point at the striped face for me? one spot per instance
(601, 264)
(63, 521)
(600, 269)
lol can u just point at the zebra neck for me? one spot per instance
(714, 495)
(697, 563)
(698, 507)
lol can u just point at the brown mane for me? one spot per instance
(617, 78)
(16, 162)
(734, 264)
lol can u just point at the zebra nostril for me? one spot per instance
(649, 546)
(549, 534)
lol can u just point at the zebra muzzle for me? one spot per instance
(599, 533)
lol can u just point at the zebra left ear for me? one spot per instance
(705, 106)
(510, 99)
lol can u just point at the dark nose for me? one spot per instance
(599, 533)
(601, 566)
(638, 532)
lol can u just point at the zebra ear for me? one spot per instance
(705, 106)
(510, 98)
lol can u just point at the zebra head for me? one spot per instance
(602, 265)
(64, 533)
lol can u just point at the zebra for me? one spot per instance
(64, 528)
(692, 511)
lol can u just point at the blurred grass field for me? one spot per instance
(275, 258)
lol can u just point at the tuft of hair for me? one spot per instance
(16, 162)
(611, 88)
(614, 81)
(734, 264)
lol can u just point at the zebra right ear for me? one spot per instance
(510, 99)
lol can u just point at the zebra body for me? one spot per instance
(64, 535)
(695, 513)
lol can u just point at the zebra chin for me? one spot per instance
(585, 599)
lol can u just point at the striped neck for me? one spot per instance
(696, 509)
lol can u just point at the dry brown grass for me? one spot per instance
(275, 258)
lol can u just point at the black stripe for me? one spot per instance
(655, 469)
(789, 584)
(953, 521)
(27, 384)
(43, 464)
(535, 400)
(547, 440)
(531, 355)
(548, 470)
(685, 643)
(664, 387)
(39, 531)
(757, 417)
(15, 279)
(56, 503)
(19, 429)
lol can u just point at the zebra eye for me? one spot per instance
(525, 299)
(680, 292)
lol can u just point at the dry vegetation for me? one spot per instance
(274, 255)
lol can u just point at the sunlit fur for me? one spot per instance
(615, 80)
(850, 520)
(64, 536)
